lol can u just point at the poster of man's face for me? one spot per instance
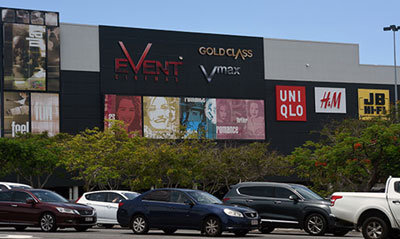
(161, 116)
(16, 113)
(193, 117)
(45, 113)
(24, 57)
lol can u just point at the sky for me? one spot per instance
(342, 21)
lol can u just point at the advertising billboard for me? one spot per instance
(290, 103)
(16, 113)
(53, 58)
(24, 57)
(125, 108)
(372, 103)
(45, 114)
(160, 117)
(330, 100)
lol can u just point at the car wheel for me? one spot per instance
(266, 230)
(340, 232)
(240, 233)
(315, 225)
(140, 224)
(169, 231)
(212, 227)
(81, 228)
(20, 228)
(48, 222)
(375, 228)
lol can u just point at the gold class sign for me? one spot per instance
(372, 103)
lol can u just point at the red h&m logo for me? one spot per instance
(290, 103)
(150, 68)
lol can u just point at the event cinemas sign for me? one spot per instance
(149, 68)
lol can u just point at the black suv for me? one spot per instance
(282, 205)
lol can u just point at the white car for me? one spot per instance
(106, 204)
(8, 185)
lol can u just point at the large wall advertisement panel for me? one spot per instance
(45, 113)
(16, 113)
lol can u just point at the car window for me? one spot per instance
(283, 193)
(21, 197)
(48, 196)
(397, 186)
(99, 197)
(6, 196)
(130, 195)
(114, 197)
(258, 191)
(159, 195)
(2, 187)
(306, 192)
(178, 197)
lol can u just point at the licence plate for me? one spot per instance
(88, 219)
(254, 222)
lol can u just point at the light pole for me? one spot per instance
(394, 28)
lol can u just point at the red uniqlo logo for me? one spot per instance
(328, 102)
(290, 103)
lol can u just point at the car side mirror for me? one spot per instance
(30, 201)
(188, 202)
(294, 197)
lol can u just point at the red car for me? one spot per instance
(22, 208)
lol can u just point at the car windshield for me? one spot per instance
(48, 196)
(204, 198)
(130, 195)
(306, 192)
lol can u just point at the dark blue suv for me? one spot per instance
(172, 209)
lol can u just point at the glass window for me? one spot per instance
(21, 197)
(306, 192)
(114, 197)
(258, 191)
(204, 197)
(48, 196)
(397, 186)
(130, 195)
(159, 195)
(3, 188)
(5, 196)
(99, 197)
(283, 193)
(178, 197)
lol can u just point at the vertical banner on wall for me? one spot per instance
(372, 103)
(125, 108)
(45, 115)
(255, 121)
(16, 113)
(193, 116)
(290, 103)
(53, 57)
(330, 100)
(161, 117)
(24, 57)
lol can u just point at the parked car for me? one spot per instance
(172, 209)
(8, 185)
(22, 208)
(282, 205)
(378, 214)
(106, 204)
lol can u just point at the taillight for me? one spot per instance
(226, 199)
(78, 199)
(334, 198)
(120, 204)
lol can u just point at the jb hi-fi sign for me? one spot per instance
(149, 69)
(290, 103)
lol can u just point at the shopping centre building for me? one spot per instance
(61, 77)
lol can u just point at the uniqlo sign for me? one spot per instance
(330, 100)
(290, 103)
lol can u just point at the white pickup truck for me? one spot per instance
(378, 214)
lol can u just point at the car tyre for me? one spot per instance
(47, 222)
(212, 227)
(20, 228)
(315, 224)
(81, 228)
(266, 230)
(140, 224)
(240, 233)
(340, 232)
(375, 228)
(169, 231)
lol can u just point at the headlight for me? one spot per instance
(66, 210)
(232, 213)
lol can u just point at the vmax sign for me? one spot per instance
(290, 103)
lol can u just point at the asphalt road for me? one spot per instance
(120, 233)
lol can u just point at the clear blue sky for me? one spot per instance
(344, 21)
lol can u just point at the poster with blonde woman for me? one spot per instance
(160, 117)
(255, 127)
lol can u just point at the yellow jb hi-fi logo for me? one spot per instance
(372, 103)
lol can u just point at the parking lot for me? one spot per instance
(122, 233)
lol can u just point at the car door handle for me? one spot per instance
(396, 202)
(14, 205)
(249, 200)
(278, 202)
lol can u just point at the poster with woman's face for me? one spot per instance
(16, 113)
(161, 116)
(45, 115)
(255, 126)
(24, 57)
(125, 108)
